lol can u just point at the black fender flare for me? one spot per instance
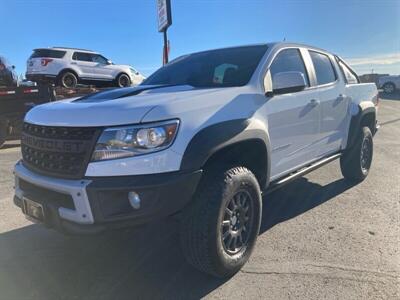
(355, 123)
(215, 137)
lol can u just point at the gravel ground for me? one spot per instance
(321, 238)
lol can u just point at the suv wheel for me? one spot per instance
(123, 80)
(220, 228)
(68, 80)
(389, 88)
(356, 162)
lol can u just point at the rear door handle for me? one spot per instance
(314, 102)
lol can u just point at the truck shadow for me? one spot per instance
(10, 145)
(145, 263)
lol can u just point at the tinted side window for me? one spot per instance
(351, 78)
(289, 60)
(82, 56)
(48, 53)
(323, 68)
(99, 59)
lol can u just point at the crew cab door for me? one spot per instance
(293, 117)
(334, 102)
(83, 62)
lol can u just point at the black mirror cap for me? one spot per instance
(293, 89)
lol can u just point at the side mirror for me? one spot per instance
(109, 62)
(288, 82)
(13, 67)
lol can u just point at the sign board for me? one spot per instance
(164, 14)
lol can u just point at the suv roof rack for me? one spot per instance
(73, 48)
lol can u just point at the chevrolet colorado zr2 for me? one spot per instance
(202, 138)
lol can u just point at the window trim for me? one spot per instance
(339, 61)
(315, 73)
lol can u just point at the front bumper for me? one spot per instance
(92, 205)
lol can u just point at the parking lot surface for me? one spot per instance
(321, 238)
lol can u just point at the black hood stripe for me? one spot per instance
(118, 93)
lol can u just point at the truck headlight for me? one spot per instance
(128, 141)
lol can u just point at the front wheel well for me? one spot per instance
(122, 73)
(251, 154)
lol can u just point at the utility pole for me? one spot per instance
(164, 21)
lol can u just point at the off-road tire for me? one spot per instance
(201, 229)
(68, 80)
(123, 80)
(354, 166)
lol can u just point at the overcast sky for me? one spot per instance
(366, 33)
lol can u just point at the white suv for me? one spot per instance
(68, 66)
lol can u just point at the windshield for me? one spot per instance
(215, 68)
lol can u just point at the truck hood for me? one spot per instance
(112, 107)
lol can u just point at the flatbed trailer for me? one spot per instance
(15, 102)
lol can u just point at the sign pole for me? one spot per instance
(165, 47)
(164, 21)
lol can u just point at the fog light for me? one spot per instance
(134, 200)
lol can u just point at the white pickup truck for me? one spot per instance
(202, 139)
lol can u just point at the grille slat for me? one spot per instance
(58, 151)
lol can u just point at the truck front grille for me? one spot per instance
(58, 151)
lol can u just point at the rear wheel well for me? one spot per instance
(251, 154)
(369, 121)
(64, 71)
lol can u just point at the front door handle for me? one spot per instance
(314, 102)
(341, 97)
